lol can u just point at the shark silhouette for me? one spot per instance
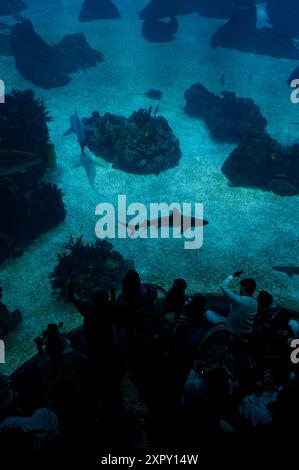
(175, 219)
(79, 129)
(89, 166)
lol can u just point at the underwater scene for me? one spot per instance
(149, 189)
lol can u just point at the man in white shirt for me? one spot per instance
(243, 307)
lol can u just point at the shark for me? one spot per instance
(89, 165)
(175, 219)
(79, 129)
(291, 271)
(17, 161)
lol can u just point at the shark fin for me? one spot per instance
(77, 165)
(68, 132)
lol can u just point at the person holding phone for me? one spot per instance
(243, 306)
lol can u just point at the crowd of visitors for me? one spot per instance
(153, 368)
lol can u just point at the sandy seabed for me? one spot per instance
(248, 229)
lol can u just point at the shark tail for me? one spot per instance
(83, 154)
(68, 132)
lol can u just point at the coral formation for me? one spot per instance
(23, 122)
(27, 211)
(95, 265)
(27, 206)
(228, 117)
(260, 161)
(143, 143)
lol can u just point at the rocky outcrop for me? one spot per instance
(74, 53)
(34, 59)
(98, 10)
(49, 66)
(284, 15)
(227, 117)
(160, 31)
(241, 33)
(260, 161)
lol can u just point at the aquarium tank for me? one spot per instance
(149, 243)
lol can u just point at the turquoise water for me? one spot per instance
(248, 229)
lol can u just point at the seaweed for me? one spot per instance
(23, 122)
(94, 265)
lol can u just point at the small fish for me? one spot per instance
(152, 94)
(79, 129)
(175, 219)
(289, 270)
(16, 161)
